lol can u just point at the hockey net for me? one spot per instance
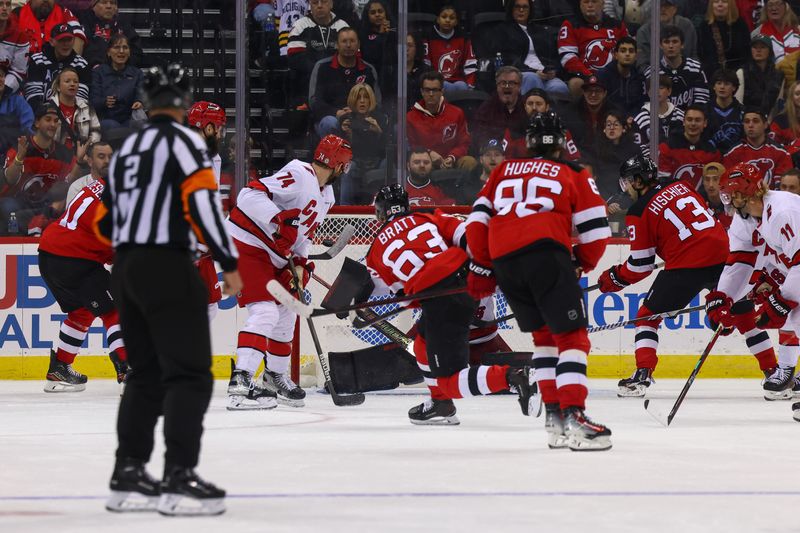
(338, 335)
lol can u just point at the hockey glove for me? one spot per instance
(480, 281)
(763, 286)
(288, 223)
(775, 311)
(611, 281)
(718, 309)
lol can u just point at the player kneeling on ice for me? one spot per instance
(520, 231)
(767, 226)
(273, 222)
(417, 253)
(669, 219)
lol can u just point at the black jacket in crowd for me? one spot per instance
(628, 93)
(735, 41)
(99, 32)
(331, 83)
(725, 129)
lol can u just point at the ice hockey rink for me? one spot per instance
(729, 462)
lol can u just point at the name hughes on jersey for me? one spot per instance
(662, 199)
(544, 168)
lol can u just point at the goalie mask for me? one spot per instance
(391, 201)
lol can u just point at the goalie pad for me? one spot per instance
(354, 283)
(381, 367)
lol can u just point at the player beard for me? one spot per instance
(212, 143)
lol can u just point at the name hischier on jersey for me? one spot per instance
(663, 198)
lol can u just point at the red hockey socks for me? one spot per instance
(421, 353)
(545, 360)
(571, 380)
(114, 334)
(646, 340)
(72, 334)
(757, 340)
(474, 381)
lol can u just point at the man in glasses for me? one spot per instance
(503, 115)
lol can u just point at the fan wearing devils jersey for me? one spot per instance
(757, 149)
(450, 52)
(521, 226)
(777, 218)
(684, 155)
(71, 260)
(209, 119)
(417, 253)
(273, 223)
(670, 220)
(586, 42)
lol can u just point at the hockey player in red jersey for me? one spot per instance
(669, 220)
(71, 261)
(767, 226)
(421, 252)
(520, 230)
(209, 120)
(274, 220)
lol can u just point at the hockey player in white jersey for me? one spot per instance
(767, 226)
(275, 219)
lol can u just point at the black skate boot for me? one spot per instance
(554, 426)
(778, 384)
(796, 387)
(244, 394)
(61, 377)
(287, 391)
(184, 493)
(120, 367)
(521, 380)
(434, 413)
(796, 411)
(132, 488)
(583, 434)
(636, 385)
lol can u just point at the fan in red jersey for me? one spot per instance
(670, 220)
(521, 229)
(421, 252)
(71, 260)
(422, 192)
(758, 149)
(685, 153)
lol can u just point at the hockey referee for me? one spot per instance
(160, 201)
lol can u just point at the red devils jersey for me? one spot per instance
(770, 158)
(525, 202)
(414, 252)
(682, 160)
(673, 222)
(41, 170)
(586, 48)
(452, 57)
(781, 131)
(73, 235)
(427, 195)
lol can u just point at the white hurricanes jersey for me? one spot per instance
(295, 186)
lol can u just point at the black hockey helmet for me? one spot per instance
(638, 166)
(167, 87)
(545, 133)
(391, 200)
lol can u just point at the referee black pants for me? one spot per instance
(162, 310)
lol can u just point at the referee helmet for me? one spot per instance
(167, 87)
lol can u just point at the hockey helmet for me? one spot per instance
(204, 113)
(545, 132)
(333, 151)
(743, 178)
(640, 167)
(390, 201)
(169, 87)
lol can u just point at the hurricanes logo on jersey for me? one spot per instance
(448, 63)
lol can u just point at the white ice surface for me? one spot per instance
(729, 463)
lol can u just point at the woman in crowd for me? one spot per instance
(377, 33)
(786, 126)
(78, 121)
(759, 81)
(117, 86)
(612, 148)
(779, 23)
(365, 127)
(722, 37)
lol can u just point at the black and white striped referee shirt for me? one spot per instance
(162, 192)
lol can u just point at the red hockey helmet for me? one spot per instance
(743, 178)
(203, 113)
(333, 151)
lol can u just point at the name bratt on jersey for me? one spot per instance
(395, 228)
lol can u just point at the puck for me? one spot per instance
(328, 242)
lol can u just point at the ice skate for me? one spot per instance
(796, 411)
(583, 434)
(636, 385)
(778, 384)
(796, 387)
(287, 391)
(121, 367)
(554, 426)
(434, 413)
(184, 493)
(244, 394)
(61, 377)
(521, 380)
(132, 488)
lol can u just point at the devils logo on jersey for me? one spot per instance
(449, 62)
(765, 166)
(688, 173)
(449, 132)
(597, 53)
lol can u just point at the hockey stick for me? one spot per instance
(344, 237)
(666, 314)
(284, 297)
(338, 399)
(597, 285)
(658, 415)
